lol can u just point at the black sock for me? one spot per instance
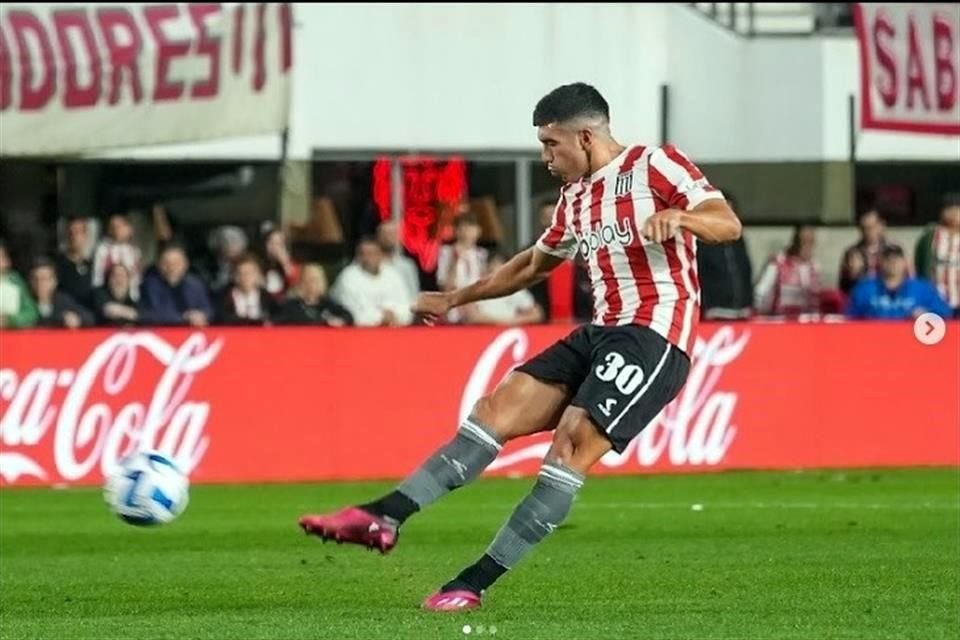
(478, 576)
(394, 505)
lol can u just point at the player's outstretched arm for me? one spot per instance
(712, 221)
(523, 270)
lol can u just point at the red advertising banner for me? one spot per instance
(909, 66)
(265, 405)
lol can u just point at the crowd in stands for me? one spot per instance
(255, 281)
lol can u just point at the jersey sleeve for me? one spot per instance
(678, 181)
(558, 240)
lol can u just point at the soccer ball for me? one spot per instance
(147, 489)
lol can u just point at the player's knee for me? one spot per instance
(489, 412)
(568, 434)
(577, 442)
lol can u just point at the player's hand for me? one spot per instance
(432, 305)
(662, 225)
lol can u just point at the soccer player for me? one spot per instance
(632, 213)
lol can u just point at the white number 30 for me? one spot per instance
(628, 377)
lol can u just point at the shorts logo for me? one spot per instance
(607, 406)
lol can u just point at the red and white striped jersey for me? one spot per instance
(946, 269)
(635, 281)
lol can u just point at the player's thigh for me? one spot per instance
(635, 374)
(522, 405)
(533, 397)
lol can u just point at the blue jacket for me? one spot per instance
(871, 299)
(165, 305)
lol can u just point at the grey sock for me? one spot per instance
(539, 514)
(457, 463)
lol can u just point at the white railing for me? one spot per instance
(777, 18)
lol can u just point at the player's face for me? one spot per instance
(4, 260)
(951, 217)
(564, 151)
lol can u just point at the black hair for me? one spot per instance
(466, 218)
(172, 245)
(43, 262)
(794, 248)
(875, 211)
(950, 200)
(568, 102)
(367, 239)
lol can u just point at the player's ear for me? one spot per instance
(585, 138)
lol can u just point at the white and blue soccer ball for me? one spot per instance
(147, 489)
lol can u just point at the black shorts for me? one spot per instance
(622, 376)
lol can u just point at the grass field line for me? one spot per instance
(879, 506)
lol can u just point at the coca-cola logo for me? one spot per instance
(696, 429)
(107, 407)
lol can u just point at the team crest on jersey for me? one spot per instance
(624, 184)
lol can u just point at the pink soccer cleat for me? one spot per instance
(455, 600)
(354, 526)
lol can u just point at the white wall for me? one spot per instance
(413, 77)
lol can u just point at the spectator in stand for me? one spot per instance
(117, 248)
(388, 236)
(114, 304)
(56, 309)
(172, 296)
(17, 309)
(463, 262)
(227, 244)
(893, 294)
(281, 272)
(246, 302)
(790, 283)
(861, 260)
(517, 308)
(726, 277)
(74, 266)
(311, 305)
(937, 254)
(373, 291)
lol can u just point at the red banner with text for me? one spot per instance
(909, 66)
(268, 405)
(82, 77)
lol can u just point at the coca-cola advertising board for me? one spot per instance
(271, 405)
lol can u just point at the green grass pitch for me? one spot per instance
(865, 555)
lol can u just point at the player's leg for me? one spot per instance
(635, 374)
(519, 406)
(577, 445)
(531, 399)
